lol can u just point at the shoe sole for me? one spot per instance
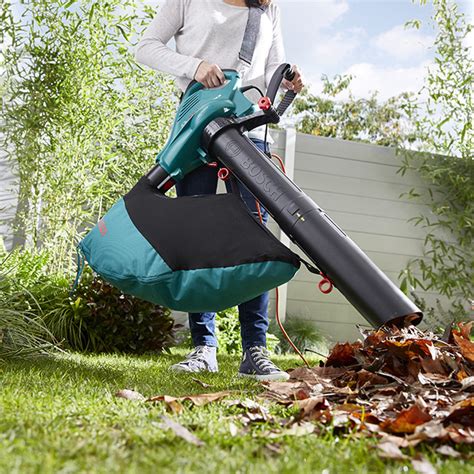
(180, 370)
(266, 378)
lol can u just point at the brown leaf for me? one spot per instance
(407, 420)
(409, 349)
(343, 355)
(433, 366)
(198, 400)
(287, 392)
(201, 383)
(459, 435)
(390, 450)
(130, 395)
(462, 339)
(364, 377)
(423, 466)
(312, 407)
(181, 431)
(462, 413)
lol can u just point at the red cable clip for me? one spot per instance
(223, 174)
(325, 282)
(264, 103)
(212, 164)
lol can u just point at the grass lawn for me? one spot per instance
(61, 415)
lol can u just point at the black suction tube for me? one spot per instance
(364, 285)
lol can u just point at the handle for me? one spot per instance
(289, 96)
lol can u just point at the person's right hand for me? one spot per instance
(209, 75)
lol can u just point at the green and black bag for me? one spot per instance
(196, 254)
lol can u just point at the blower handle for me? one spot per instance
(284, 71)
(289, 96)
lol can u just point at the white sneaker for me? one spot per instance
(200, 359)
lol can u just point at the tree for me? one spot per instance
(366, 120)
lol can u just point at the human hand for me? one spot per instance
(209, 75)
(296, 84)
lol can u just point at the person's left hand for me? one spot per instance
(297, 83)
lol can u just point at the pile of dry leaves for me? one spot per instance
(402, 384)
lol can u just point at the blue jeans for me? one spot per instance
(253, 315)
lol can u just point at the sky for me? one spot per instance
(364, 38)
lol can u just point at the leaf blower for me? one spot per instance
(206, 253)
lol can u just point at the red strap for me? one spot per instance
(223, 174)
(325, 285)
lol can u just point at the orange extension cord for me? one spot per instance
(277, 314)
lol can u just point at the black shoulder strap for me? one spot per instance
(251, 33)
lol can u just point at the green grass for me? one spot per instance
(60, 415)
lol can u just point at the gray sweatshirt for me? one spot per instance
(211, 30)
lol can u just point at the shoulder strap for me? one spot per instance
(251, 33)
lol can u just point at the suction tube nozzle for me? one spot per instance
(364, 285)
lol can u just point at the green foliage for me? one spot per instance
(97, 318)
(22, 332)
(81, 119)
(365, 120)
(109, 321)
(446, 134)
(228, 332)
(304, 334)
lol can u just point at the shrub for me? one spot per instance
(304, 334)
(22, 332)
(113, 321)
(97, 318)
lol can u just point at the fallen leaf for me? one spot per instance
(462, 338)
(201, 383)
(181, 431)
(467, 383)
(311, 407)
(198, 400)
(462, 413)
(390, 450)
(446, 450)
(407, 420)
(423, 466)
(287, 391)
(130, 395)
(233, 429)
(343, 355)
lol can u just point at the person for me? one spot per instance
(208, 35)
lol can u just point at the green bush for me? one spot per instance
(22, 331)
(97, 318)
(110, 321)
(304, 334)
